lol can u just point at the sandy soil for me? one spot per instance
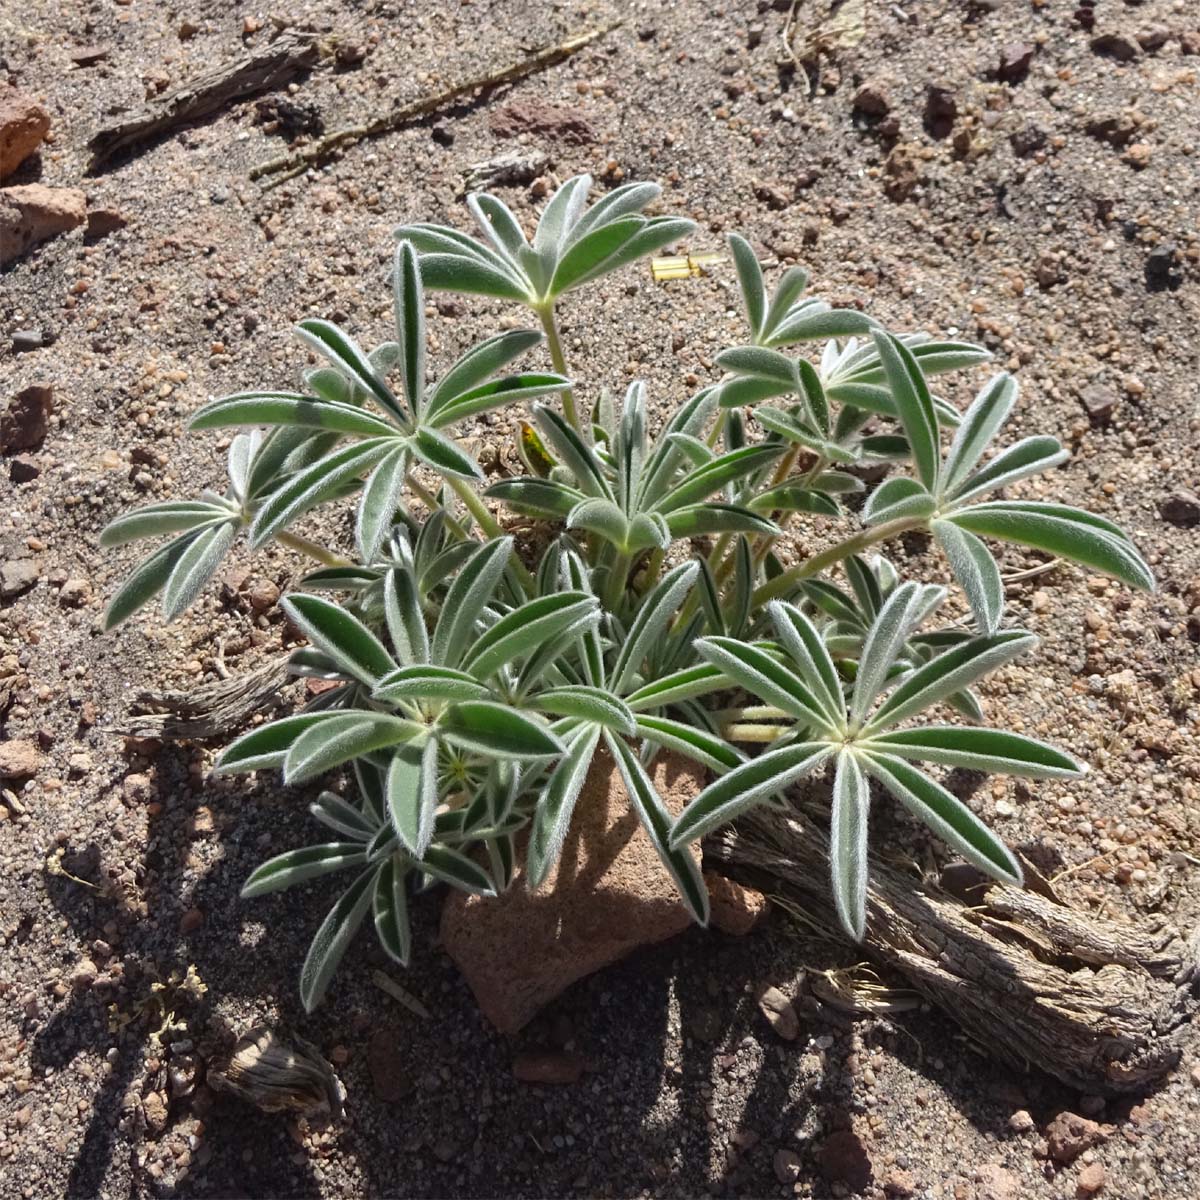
(1053, 216)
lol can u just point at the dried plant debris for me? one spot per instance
(277, 1075)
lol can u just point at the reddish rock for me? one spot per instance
(23, 126)
(843, 1158)
(32, 213)
(1091, 1179)
(103, 221)
(567, 125)
(548, 1067)
(25, 419)
(607, 896)
(191, 920)
(993, 1182)
(872, 100)
(1069, 1135)
(786, 1164)
(780, 1014)
(736, 910)
(19, 760)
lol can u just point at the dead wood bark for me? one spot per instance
(289, 55)
(210, 711)
(1096, 1003)
(288, 166)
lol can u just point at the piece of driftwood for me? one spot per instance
(276, 1076)
(209, 711)
(291, 54)
(287, 166)
(1094, 1002)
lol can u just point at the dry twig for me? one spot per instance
(287, 166)
(288, 56)
(1095, 1003)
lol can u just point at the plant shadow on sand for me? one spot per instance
(433, 1107)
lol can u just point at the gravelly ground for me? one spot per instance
(1077, 263)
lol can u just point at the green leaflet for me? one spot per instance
(494, 729)
(993, 750)
(299, 866)
(340, 635)
(946, 815)
(552, 817)
(848, 844)
(333, 938)
(1056, 529)
(747, 785)
(656, 821)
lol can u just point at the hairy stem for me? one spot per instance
(293, 541)
(827, 558)
(430, 501)
(558, 360)
(490, 526)
(614, 586)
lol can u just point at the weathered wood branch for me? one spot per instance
(211, 711)
(289, 55)
(287, 166)
(1094, 1002)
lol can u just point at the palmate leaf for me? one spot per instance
(750, 282)
(340, 349)
(147, 580)
(697, 744)
(657, 609)
(511, 389)
(478, 365)
(411, 789)
(377, 503)
(457, 272)
(389, 906)
(948, 673)
(751, 667)
(309, 487)
(585, 703)
(521, 632)
(428, 683)
(465, 600)
(343, 736)
(914, 405)
(155, 520)
(197, 565)
(980, 422)
(409, 308)
(291, 410)
(976, 572)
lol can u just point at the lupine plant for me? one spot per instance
(667, 602)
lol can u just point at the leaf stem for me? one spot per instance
(834, 554)
(558, 360)
(293, 541)
(490, 526)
